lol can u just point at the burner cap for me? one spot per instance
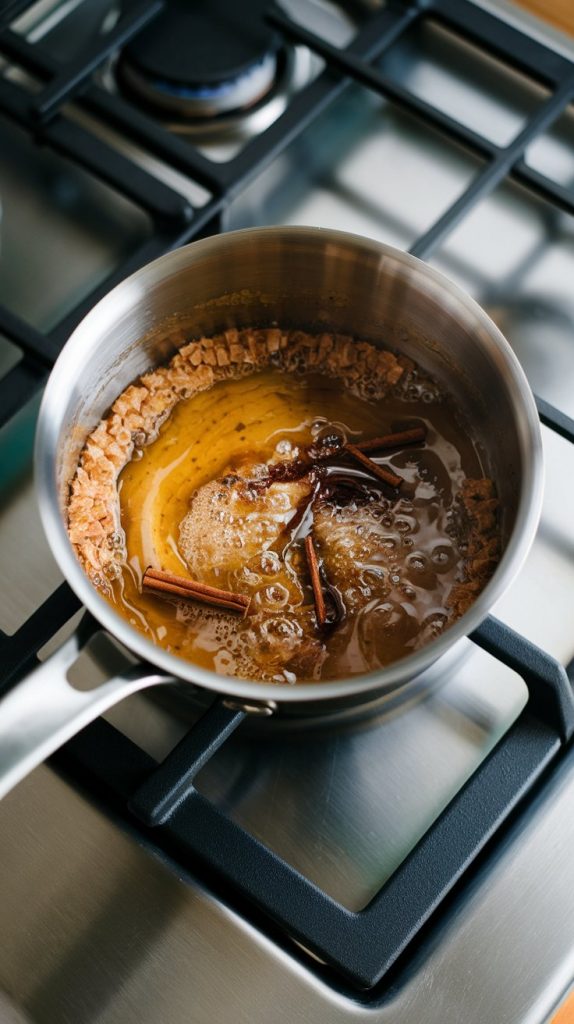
(203, 57)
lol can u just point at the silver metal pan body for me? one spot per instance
(318, 280)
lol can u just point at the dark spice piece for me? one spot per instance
(415, 435)
(165, 583)
(381, 472)
(320, 606)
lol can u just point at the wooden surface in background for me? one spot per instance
(559, 13)
(565, 1014)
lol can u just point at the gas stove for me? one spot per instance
(411, 864)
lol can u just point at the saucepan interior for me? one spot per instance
(318, 280)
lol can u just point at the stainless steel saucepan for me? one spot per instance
(298, 277)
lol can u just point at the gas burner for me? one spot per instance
(202, 60)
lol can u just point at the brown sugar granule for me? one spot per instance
(479, 506)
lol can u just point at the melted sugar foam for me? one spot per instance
(193, 504)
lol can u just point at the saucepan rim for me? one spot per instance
(69, 366)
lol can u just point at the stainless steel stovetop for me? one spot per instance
(96, 927)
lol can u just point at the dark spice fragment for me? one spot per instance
(320, 606)
(415, 435)
(381, 472)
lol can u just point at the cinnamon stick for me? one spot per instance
(159, 582)
(320, 606)
(381, 472)
(378, 444)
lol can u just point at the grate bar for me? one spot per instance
(380, 33)
(118, 171)
(143, 130)
(552, 191)
(481, 147)
(487, 180)
(70, 79)
(550, 693)
(13, 100)
(501, 161)
(406, 100)
(12, 10)
(31, 341)
(362, 946)
(552, 417)
(383, 83)
(123, 115)
(502, 40)
(18, 386)
(172, 782)
(149, 250)
(75, 142)
(18, 652)
(29, 55)
(154, 247)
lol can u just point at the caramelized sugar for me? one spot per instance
(390, 558)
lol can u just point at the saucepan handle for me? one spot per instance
(45, 710)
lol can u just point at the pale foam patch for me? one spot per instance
(229, 522)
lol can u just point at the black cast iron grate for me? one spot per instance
(362, 946)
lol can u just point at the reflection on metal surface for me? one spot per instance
(67, 29)
(350, 156)
(9, 353)
(10, 1014)
(96, 929)
(29, 572)
(62, 231)
(463, 81)
(541, 604)
(514, 254)
(346, 807)
(553, 153)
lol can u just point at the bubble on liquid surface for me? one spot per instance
(281, 632)
(248, 578)
(370, 546)
(269, 563)
(443, 557)
(224, 662)
(274, 596)
(207, 541)
(417, 562)
(432, 627)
